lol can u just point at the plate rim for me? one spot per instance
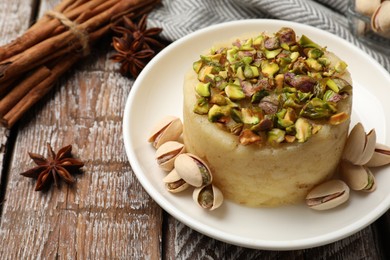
(225, 236)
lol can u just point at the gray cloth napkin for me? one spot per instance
(181, 17)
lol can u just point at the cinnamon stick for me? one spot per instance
(34, 56)
(36, 93)
(30, 65)
(47, 26)
(18, 92)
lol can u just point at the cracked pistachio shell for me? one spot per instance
(380, 157)
(167, 129)
(167, 153)
(328, 195)
(380, 20)
(366, 7)
(360, 146)
(208, 197)
(193, 170)
(357, 177)
(174, 183)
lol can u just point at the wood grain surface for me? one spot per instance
(107, 214)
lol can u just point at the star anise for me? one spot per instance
(132, 55)
(55, 166)
(131, 31)
(136, 46)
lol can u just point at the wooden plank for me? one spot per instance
(106, 214)
(14, 19)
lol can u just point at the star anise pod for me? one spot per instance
(132, 55)
(131, 31)
(136, 46)
(55, 166)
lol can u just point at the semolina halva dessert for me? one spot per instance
(269, 114)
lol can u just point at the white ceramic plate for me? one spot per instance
(158, 92)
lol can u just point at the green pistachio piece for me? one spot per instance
(284, 123)
(328, 95)
(259, 95)
(314, 53)
(290, 115)
(258, 41)
(197, 65)
(231, 54)
(269, 68)
(214, 58)
(281, 113)
(236, 115)
(251, 72)
(303, 130)
(291, 102)
(306, 42)
(270, 54)
(265, 124)
(205, 70)
(218, 99)
(304, 96)
(285, 118)
(317, 109)
(276, 136)
(223, 74)
(234, 92)
(315, 75)
(217, 112)
(294, 56)
(290, 130)
(332, 85)
(249, 116)
(201, 106)
(340, 66)
(240, 73)
(285, 46)
(284, 61)
(324, 61)
(343, 85)
(209, 78)
(246, 60)
(203, 89)
(248, 45)
(294, 47)
(319, 88)
(313, 64)
(222, 85)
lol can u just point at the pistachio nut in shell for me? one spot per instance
(357, 177)
(167, 129)
(167, 153)
(174, 183)
(380, 20)
(193, 170)
(366, 7)
(380, 157)
(208, 197)
(328, 195)
(360, 146)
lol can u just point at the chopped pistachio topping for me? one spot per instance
(276, 86)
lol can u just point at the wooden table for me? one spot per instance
(107, 214)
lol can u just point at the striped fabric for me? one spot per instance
(181, 17)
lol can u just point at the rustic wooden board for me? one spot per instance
(106, 214)
(14, 19)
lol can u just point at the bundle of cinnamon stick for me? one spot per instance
(31, 64)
